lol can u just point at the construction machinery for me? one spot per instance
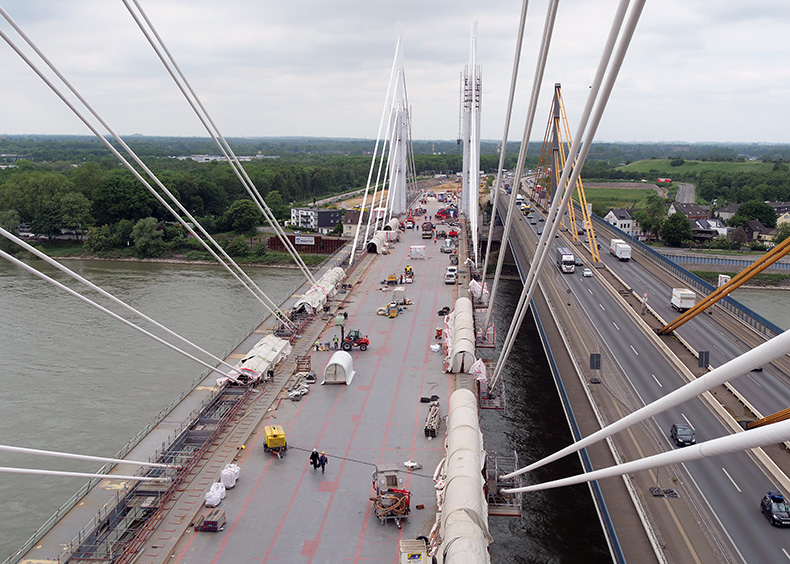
(355, 339)
(390, 502)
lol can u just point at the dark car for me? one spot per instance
(540, 231)
(776, 509)
(541, 219)
(683, 435)
(578, 261)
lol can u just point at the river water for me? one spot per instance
(75, 380)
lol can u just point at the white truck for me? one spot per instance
(565, 260)
(682, 299)
(620, 249)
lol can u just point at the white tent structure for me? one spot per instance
(340, 369)
(377, 244)
(326, 287)
(461, 355)
(392, 225)
(264, 355)
(463, 525)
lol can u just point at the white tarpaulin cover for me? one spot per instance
(326, 286)
(267, 353)
(461, 355)
(480, 292)
(340, 369)
(464, 517)
(478, 370)
(392, 225)
(377, 243)
(389, 235)
(417, 251)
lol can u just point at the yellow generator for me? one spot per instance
(274, 439)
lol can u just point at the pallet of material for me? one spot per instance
(212, 521)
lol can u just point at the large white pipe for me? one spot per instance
(768, 351)
(762, 436)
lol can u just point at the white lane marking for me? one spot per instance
(656, 379)
(615, 325)
(788, 555)
(633, 349)
(683, 415)
(731, 480)
(753, 380)
(590, 291)
(603, 308)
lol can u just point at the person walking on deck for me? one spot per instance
(335, 340)
(314, 459)
(322, 460)
(317, 346)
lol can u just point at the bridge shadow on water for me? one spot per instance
(559, 525)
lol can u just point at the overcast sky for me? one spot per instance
(702, 70)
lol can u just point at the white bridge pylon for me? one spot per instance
(471, 98)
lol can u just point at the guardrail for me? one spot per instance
(738, 310)
(723, 261)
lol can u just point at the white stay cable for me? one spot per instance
(6, 470)
(375, 152)
(552, 223)
(537, 81)
(503, 150)
(72, 456)
(92, 286)
(754, 438)
(271, 307)
(103, 309)
(200, 111)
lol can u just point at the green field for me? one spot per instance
(662, 167)
(618, 198)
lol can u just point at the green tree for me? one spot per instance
(278, 206)
(782, 233)
(9, 220)
(121, 196)
(75, 211)
(147, 238)
(99, 239)
(29, 192)
(338, 230)
(651, 218)
(755, 209)
(243, 216)
(675, 229)
(47, 221)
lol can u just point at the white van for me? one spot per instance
(447, 246)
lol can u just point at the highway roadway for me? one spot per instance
(731, 485)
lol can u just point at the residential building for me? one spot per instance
(350, 221)
(692, 211)
(621, 219)
(707, 229)
(728, 211)
(313, 219)
(780, 207)
(784, 218)
(756, 231)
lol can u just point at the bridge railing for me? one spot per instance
(740, 311)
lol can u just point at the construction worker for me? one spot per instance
(317, 346)
(334, 340)
(322, 460)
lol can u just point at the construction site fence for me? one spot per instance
(746, 315)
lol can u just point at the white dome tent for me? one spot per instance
(340, 369)
(392, 225)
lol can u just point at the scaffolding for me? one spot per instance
(557, 141)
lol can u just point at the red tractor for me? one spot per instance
(354, 339)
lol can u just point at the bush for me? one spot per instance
(238, 247)
(259, 249)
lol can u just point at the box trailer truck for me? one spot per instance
(682, 299)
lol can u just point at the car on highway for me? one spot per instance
(541, 219)
(682, 434)
(450, 277)
(775, 509)
(587, 273)
(533, 222)
(540, 231)
(578, 261)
